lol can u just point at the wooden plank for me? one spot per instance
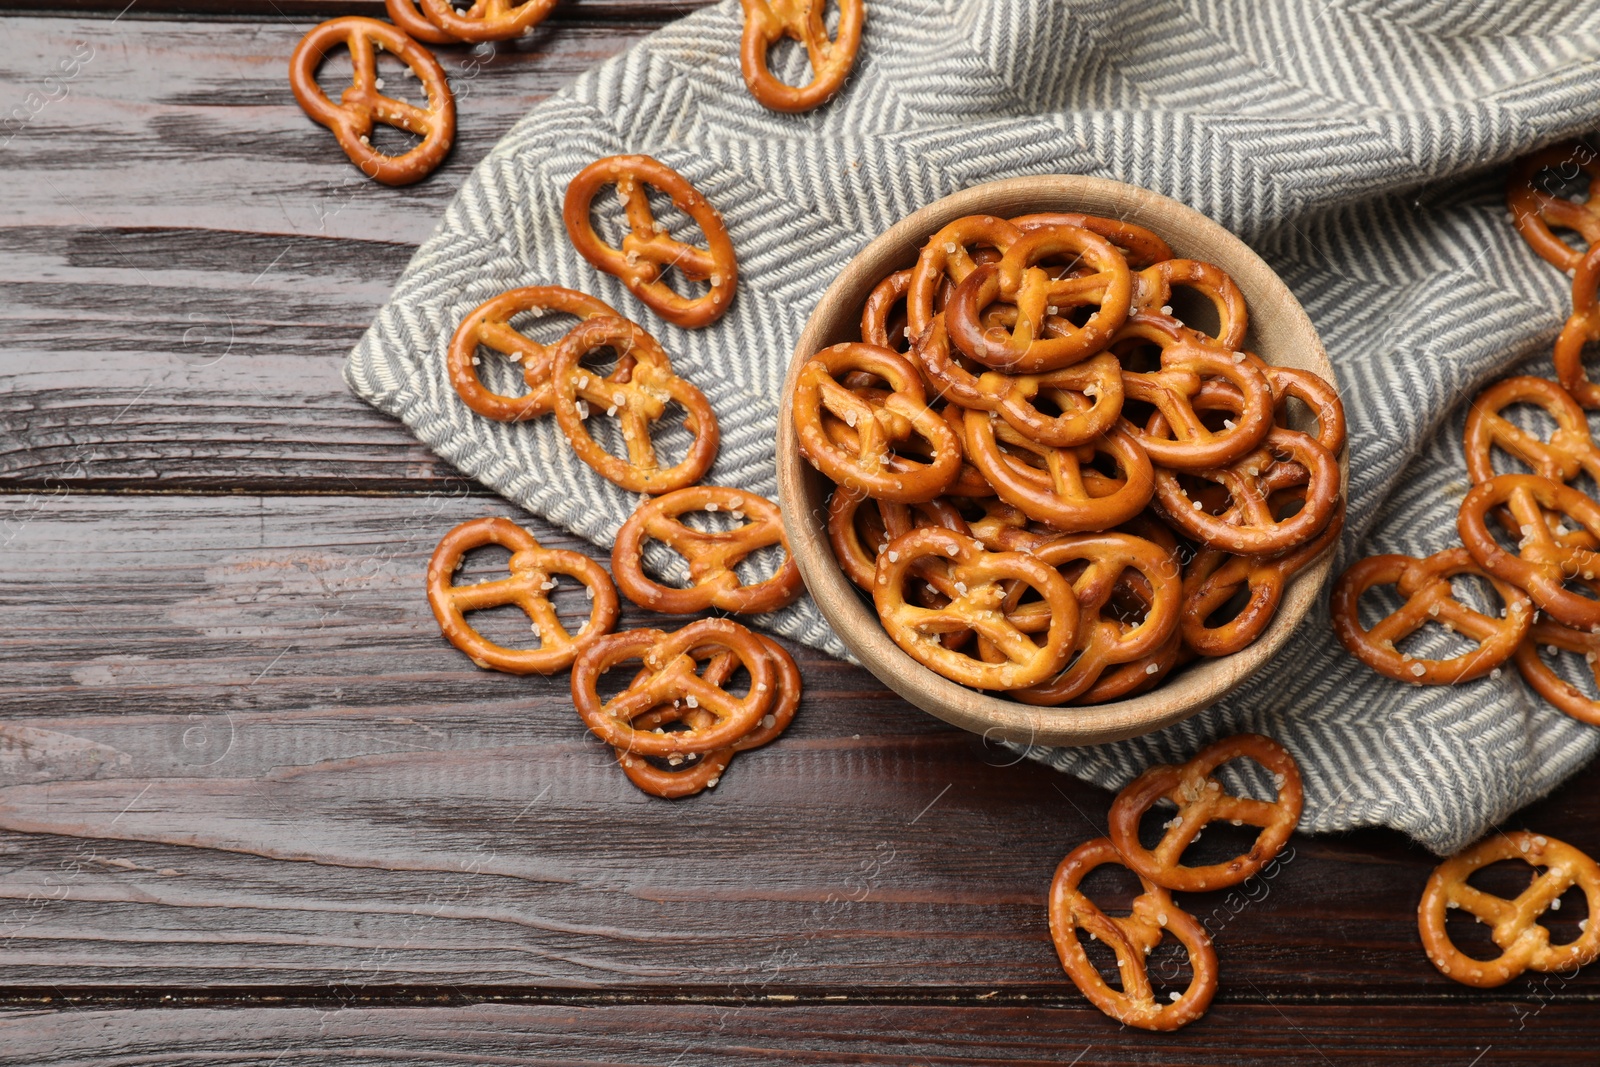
(816, 1035)
(169, 203)
(236, 753)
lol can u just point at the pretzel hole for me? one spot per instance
(1229, 609)
(788, 59)
(1195, 310)
(391, 140)
(1298, 415)
(1567, 181)
(1213, 497)
(1137, 412)
(1566, 917)
(336, 72)
(1138, 356)
(1168, 968)
(760, 565)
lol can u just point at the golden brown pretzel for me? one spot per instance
(946, 259)
(1152, 291)
(1542, 565)
(696, 772)
(1057, 486)
(1088, 394)
(673, 679)
(1139, 246)
(1425, 583)
(1041, 339)
(766, 22)
(880, 427)
(1534, 210)
(1131, 938)
(1582, 327)
(361, 105)
(533, 571)
(489, 325)
(712, 554)
(1103, 641)
(1250, 526)
(1201, 799)
(637, 394)
(1513, 924)
(648, 250)
(404, 14)
(1214, 577)
(487, 20)
(1546, 682)
(979, 581)
(1569, 452)
(1176, 437)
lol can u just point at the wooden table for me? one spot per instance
(254, 811)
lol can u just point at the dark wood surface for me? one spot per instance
(253, 809)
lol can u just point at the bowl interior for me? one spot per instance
(1280, 332)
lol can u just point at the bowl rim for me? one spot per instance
(800, 492)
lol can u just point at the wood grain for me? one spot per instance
(741, 1035)
(237, 753)
(186, 258)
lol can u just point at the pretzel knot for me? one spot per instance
(1215, 577)
(1425, 585)
(1201, 800)
(978, 582)
(672, 678)
(1109, 560)
(1536, 206)
(1250, 524)
(1060, 486)
(694, 773)
(1088, 394)
(636, 394)
(489, 326)
(533, 571)
(485, 20)
(648, 250)
(766, 22)
(361, 105)
(947, 259)
(1179, 439)
(1042, 338)
(1513, 924)
(1131, 938)
(1582, 327)
(872, 465)
(1542, 565)
(711, 554)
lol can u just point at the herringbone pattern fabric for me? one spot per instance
(1358, 145)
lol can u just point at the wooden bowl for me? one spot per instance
(1280, 333)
